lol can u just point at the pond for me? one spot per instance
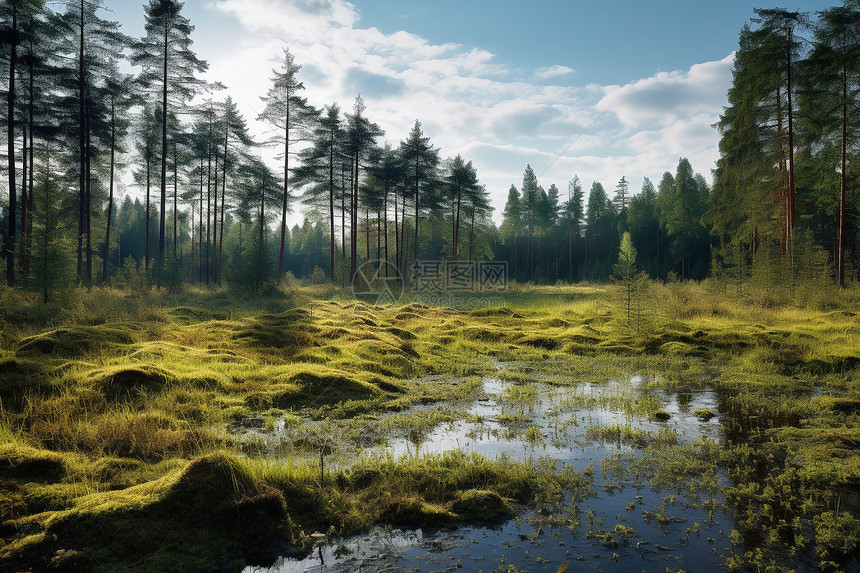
(654, 500)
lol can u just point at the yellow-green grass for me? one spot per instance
(118, 409)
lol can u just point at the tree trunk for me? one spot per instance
(175, 200)
(841, 257)
(10, 140)
(223, 215)
(163, 204)
(396, 234)
(208, 201)
(200, 227)
(414, 277)
(343, 217)
(331, 207)
(791, 206)
(82, 143)
(213, 269)
(385, 226)
(88, 227)
(286, 193)
(146, 238)
(353, 221)
(457, 222)
(110, 190)
(28, 227)
(472, 235)
(24, 218)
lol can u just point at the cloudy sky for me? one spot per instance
(598, 89)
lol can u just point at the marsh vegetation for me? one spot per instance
(199, 431)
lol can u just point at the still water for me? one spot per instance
(635, 516)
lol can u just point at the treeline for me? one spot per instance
(211, 209)
(783, 208)
(546, 237)
(211, 206)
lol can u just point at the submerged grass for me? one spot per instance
(119, 421)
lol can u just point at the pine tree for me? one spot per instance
(836, 64)
(621, 199)
(292, 117)
(625, 271)
(644, 226)
(529, 210)
(572, 219)
(462, 180)
(168, 63)
(420, 160)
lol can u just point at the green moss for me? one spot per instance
(704, 414)
(120, 407)
(129, 382)
(481, 506)
(23, 463)
(75, 341)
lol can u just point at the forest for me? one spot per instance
(668, 378)
(783, 201)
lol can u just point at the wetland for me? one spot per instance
(308, 431)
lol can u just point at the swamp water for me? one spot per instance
(650, 497)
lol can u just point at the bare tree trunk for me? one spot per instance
(88, 227)
(385, 227)
(161, 214)
(343, 216)
(10, 141)
(146, 238)
(208, 201)
(218, 263)
(331, 207)
(110, 190)
(791, 206)
(415, 246)
(213, 270)
(175, 200)
(844, 165)
(82, 143)
(24, 216)
(28, 227)
(286, 190)
(396, 234)
(200, 228)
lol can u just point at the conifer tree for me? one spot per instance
(170, 66)
(291, 116)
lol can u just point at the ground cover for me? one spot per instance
(203, 430)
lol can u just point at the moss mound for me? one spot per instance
(332, 387)
(213, 513)
(846, 405)
(212, 486)
(412, 512)
(19, 376)
(128, 382)
(477, 505)
(74, 341)
(25, 464)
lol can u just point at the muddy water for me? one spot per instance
(632, 518)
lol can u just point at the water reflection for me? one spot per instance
(636, 518)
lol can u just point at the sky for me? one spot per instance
(597, 89)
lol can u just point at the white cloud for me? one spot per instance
(660, 99)
(552, 72)
(470, 103)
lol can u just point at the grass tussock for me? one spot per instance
(119, 413)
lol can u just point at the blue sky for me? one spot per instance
(597, 89)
